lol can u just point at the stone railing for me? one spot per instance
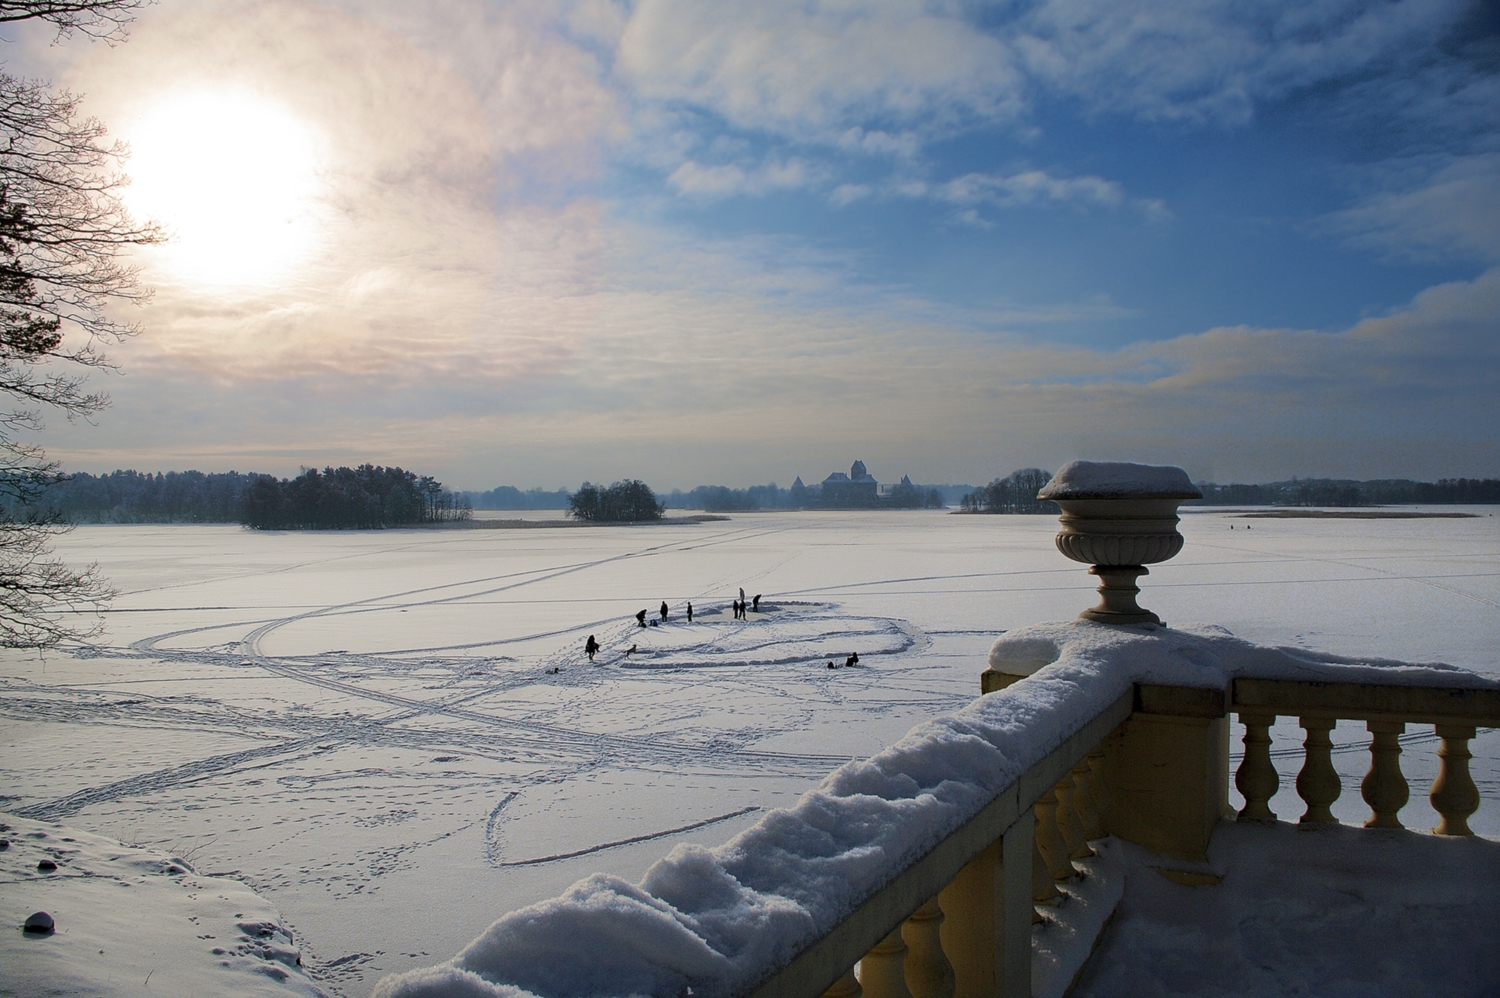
(1086, 731)
(1455, 714)
(1153, 768)
(958, 921)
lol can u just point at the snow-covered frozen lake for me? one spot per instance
(395, 736)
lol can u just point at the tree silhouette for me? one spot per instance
(62, 230)
(629, 501)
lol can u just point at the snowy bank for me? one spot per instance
(1372, 913)
(720, 920)
(132, 921)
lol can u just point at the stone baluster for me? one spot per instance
(882, 973)
(928, 972)
(1098, 789)
(1384, 788)
(845, 987)
(1256, 779)
(1044, 889)
(1318, 783)
(1067, 821)
(1049, 838)
(1454, 796)
(1083, 801)
(987, 917)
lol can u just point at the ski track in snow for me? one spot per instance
(461, 705)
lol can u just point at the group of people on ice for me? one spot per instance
(739, 607)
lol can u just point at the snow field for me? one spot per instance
(361, 726)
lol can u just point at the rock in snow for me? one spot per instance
(40, 922)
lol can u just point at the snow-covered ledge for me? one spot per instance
(946, 813)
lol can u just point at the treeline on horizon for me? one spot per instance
(722, 499)
(1345, 492)
(366, 497)
(345, 497)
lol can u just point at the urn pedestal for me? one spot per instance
(1118, 518)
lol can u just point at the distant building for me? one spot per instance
(858, 488)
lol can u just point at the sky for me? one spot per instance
(537, 243)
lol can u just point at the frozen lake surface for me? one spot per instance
(396, 737)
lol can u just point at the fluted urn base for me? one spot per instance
(1117, 593)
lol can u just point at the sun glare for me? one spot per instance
(235, 179)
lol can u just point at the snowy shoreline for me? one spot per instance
(134, 921)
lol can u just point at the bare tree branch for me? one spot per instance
(101, 19)
(63, 230)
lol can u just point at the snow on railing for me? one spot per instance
(924, 862)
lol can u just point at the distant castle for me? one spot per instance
(858, 488)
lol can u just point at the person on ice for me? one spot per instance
(640, 618)
(663, 611)
(690, 613)
(755, 603)
(852, 660)
(591, 647)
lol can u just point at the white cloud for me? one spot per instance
(882, 143)
(728, 180)
(845, 194)
(814, 70)
(1028, 188)
(847, 73)
(1211, 60)
(1451, 213)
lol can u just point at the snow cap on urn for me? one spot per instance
(1119, 480)
(1119, 517)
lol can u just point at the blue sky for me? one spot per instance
(688, 242)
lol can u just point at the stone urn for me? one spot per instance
(1119, 518)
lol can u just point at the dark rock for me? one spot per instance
(4, 844)
(46, 866)
(40, 923)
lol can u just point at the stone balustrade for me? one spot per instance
(1153, 769)
(957, 923)
(1455, 714)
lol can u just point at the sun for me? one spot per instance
(237, 181)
